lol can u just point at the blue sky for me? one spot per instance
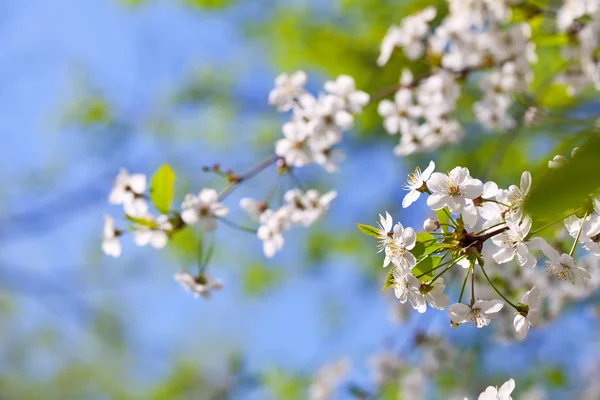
(133, 57)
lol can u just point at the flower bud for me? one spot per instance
(431, 225)
(557, 162)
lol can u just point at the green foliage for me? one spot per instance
(141, 221)
(443, 218)
(162, 188)
(557, 191)
(426, 244)
(284, 385)
(184, 244)
(555, 377)
(389, 279)
(209, 4)
(426, 265)
(258, 278)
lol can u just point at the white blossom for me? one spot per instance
(200, 285)
(345, 88)
(414, 184)
(111, 245)
(397, 250)
(478, 313)
(564, 268)
(523, 320)
(203, 209)
(453, 190)
(287, 89)
(495, 393)
(407, 287)
(154, 234)
(128, 190)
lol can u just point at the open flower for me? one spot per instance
(564, 268)
(414, 184)
(513, 243)
(200, 285)
(453, 190)
(516, 196)
(155, 235)
(495, 393)
(128, 190)
(287, 88)
(436, 296)
(345, 88)
(397, 250)
(478, 313)
(111, 245)
(203, 209)
(523, 320)
(407, 287)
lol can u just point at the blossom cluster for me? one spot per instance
(481, 224)
(300, 209)
(317, 123)
(478, 35)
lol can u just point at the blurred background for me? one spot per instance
(88, 87)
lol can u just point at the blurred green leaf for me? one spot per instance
(284, 385)
(258, 278)
(162, 188)
(559, 190)
(141, 221)
(555, 377)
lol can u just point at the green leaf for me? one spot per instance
(426, 244)
(556, 191)
(389, 280)
(426, 265)
(162, 188)
(443, 218)
(368, 230)
(141, 221)
(560, 39)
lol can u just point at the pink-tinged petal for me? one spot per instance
(490, 306)
(410, 198)
(437, 180)
(436, 201)
(471, 188)
(409, 237)
(525, 182)
(459, 313)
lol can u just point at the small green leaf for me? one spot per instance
(555, 377)
(368, 230)
(559, 39)
(443, 218)
(426, 265)
(141, 221)
(389, 280)
(162, 188)
(426, 244)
